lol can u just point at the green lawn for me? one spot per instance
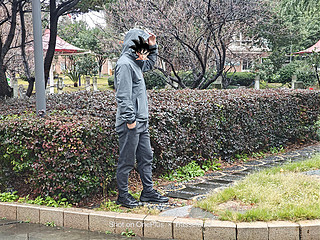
(280, 193)
(102, 84)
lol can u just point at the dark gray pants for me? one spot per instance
(134, 144)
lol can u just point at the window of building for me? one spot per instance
(246, 65)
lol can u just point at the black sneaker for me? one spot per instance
(153, 196)
(127, 200)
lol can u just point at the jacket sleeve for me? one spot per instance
(124, 93)
(152, 58)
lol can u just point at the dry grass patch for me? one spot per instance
(281, 193)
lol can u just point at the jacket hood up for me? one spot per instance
(133, 34)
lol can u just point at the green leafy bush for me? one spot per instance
(8, 196)
(111, 81)
(59, 155)
(47, 201)
(154, 80)
(301, 69)
(187, 172)
(241, 78)
(186, 77)
(73, 151)
(191, 125)
(286, 73)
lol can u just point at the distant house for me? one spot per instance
(60, 64)
(64, 49)
(243, 52)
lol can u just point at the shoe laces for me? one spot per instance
(153, 192)
(131, 197)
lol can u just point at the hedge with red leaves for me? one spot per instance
(73, 150)
(199, 125)
(67, 155)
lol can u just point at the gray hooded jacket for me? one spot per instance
(129, 83)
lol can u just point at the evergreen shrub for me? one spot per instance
(74, 149)
(111, 81)
(241, 78)
(59, 155)
(153, 79)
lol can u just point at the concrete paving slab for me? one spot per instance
(177, 212)
(214, 229)
(310, 230)
(181, 194)
(158, 227)
(51, 214)
(28, 213)
(252, 231)
(126, 222)
(283, 230)
(102, 221)
(8, 211)
(200, 213)
(187, 228)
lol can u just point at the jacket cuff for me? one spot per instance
(153, 47)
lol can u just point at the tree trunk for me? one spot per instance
(30, 86)
(5, 89)
(100, 71)
(30, 79)
(51, 48)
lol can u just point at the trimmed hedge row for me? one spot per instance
(197, 125)
(67, 155)
(73, 151)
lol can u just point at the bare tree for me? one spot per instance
(57, 9)
(194, 34)
(29, 77)
(19, 57)
(8, 21)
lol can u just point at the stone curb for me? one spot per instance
(152, 226)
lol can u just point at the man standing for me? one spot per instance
(138, 55)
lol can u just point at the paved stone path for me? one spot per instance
(217, 180)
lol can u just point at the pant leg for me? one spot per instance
(144, 156)
(128, 142)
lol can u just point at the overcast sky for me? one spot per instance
(93, 18)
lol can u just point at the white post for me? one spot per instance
(95, 83)
(88, 83)
(294, 80)
(257, 82)
(218, 83)
(60, 85)
(14, 83)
